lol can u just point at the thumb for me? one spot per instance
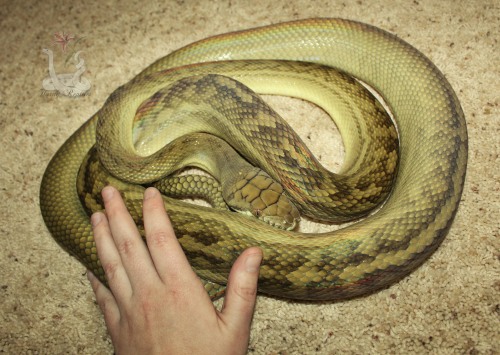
(241, 292)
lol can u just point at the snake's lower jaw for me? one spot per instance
(280, 222)
(288, 222)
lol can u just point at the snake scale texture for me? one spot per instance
(356, 260)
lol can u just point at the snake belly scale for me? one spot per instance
(352, 261)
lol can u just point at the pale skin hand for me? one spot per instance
(157, 304)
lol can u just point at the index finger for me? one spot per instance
(167, 254)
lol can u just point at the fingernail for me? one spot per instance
(252, 263)
(95, 219)
(90, 275)
(149, 193)
(107, 193)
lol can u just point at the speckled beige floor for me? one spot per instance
(451, 305)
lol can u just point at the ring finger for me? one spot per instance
(111, 262)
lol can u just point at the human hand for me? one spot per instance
(156, 303)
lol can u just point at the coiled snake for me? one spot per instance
(358, 259)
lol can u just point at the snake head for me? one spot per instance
(258, 195)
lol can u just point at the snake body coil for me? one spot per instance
(353, 261)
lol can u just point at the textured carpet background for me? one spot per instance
(450, 305)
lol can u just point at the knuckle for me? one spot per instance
(104, 305)
(159, 238)
(247, 293)
(147, 306)
(126, 247)
(110, 269)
